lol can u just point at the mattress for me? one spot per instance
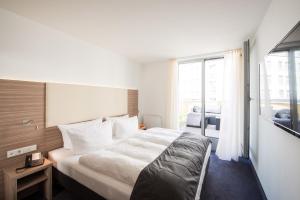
(104, 185)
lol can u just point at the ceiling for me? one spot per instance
(149, 30)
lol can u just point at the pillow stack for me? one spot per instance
(86, 137)
(124, 126)
(93, 135)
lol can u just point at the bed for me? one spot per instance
(110, 158)
(82, 170)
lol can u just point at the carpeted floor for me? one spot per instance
(225, 181)
(228, 180)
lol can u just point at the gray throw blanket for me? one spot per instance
(175, 174)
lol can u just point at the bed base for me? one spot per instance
(205, 179)
(76, 189)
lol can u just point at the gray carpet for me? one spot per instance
(229, 180)
(63, 195)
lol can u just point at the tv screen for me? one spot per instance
(280, 83)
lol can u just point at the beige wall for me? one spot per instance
(274, 153)
(153, 89)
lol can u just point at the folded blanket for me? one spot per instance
(175, 174)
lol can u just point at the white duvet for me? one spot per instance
(130, 155)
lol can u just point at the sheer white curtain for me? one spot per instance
(232, 117)
(172, 95)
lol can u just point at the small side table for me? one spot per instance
(16, 182)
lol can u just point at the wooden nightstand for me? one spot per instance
(16, 182)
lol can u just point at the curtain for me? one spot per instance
(172, 95)
(232, 116)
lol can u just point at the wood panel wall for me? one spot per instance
(133, 102)
(21, 100)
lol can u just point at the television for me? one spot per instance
(280, 83)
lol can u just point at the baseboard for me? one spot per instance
(262, 192)
(245, 160)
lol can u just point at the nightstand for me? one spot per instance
(15, 183)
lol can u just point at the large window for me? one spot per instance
(190, 89)
(280, 88)
(214, 75)
(277, 73)
(191, 81)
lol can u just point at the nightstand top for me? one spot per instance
(11, 171)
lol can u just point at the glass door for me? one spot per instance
(190, 96)
(200, 96)
(213, 95)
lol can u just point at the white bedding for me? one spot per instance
(106, 186)
(130, 155)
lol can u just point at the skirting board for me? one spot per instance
(262, 192)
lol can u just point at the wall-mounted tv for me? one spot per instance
(280, 83)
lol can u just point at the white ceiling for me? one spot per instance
(149, 30)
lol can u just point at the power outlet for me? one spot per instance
(20, 151)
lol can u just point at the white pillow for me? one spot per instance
(116, 118)
(90, 138)
(113, 119)
(126, 127)
(64, 128)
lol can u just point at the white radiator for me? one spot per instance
(151, 121)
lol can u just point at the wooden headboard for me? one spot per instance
(21, 100)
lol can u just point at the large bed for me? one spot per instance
(110, 158)
(119, 181)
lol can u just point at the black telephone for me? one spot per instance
(32, 160)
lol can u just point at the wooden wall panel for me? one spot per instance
(53, 138)
(21, 100)
(133, 102)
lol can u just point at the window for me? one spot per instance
(190, 89)
(190, 93)
(280, 89)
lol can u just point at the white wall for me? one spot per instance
(153, 89)
(31, 51)
(274, 153)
